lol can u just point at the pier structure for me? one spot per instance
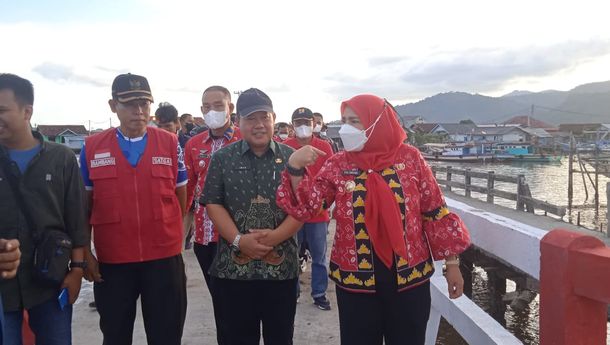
(540, 256)
(568, 267)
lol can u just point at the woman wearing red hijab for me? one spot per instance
(391, 217)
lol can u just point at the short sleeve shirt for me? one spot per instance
(245, 185)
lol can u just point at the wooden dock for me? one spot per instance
(485, 183)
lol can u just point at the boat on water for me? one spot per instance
(455, 152)
(536, 158)
(460, 158)
(523, 152)
(485, 153)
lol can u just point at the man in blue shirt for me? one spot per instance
(48, 177)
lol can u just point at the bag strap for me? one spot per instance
(14, 183)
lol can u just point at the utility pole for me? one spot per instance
(570, 177)
(89, 127)
(531, 115)
(110, 122)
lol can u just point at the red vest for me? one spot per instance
(135, 213)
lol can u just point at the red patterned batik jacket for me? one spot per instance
(429, 227)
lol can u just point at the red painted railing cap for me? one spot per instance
(570, 240)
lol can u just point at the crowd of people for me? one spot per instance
(250, 197)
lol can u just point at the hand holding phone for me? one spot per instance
(63, 298)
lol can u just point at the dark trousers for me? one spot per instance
(161, 284)
(205, 256)
(247, 303)
(398, 317)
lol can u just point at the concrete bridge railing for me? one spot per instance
(574, 289)
(574, 282)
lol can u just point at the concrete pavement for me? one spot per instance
(312, 325)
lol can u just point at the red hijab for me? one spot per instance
(379, 152)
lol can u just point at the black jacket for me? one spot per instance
(53, 191)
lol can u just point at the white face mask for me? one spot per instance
(303, 131)
(353, 138)
(215, 119)
(317, 129)
(283, 136)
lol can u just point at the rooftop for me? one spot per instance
(55, 130)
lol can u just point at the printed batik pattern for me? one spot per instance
(204, 228)
(429, 227)
(364, 277)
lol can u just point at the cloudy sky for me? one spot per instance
(308, 53)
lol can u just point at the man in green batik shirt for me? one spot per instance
(256, 266)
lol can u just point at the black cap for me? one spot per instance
(251, 101)
(127, 87)
(302, 113)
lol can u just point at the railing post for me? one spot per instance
(608, 209)
(574, 289)
(520, 192)
(449, 178)
(529, 205)
(467, 180)
(491, 178)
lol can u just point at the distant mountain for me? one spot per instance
(588, 103)
(600, 87)
(517, 93)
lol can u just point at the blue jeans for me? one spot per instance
(51, 325)
(1, 323)
(315, 235)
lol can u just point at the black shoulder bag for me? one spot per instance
(52, 248)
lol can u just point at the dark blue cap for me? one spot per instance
(127, 87)
(251, 101)
(302, 113)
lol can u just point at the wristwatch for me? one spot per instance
(294, 171)
(78, 264)
(235, 243)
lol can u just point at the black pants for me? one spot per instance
(246, 304)
(205, 256)
(398, 317)
(162, 286)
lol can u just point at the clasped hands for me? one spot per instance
(257, 243)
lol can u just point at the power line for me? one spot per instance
(505, 116)
(566, 111)
(529, 110)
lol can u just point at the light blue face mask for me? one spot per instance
(215, 119)
(303, 131)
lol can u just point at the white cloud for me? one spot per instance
(307, 54)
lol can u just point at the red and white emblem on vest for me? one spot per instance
(162, 161)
